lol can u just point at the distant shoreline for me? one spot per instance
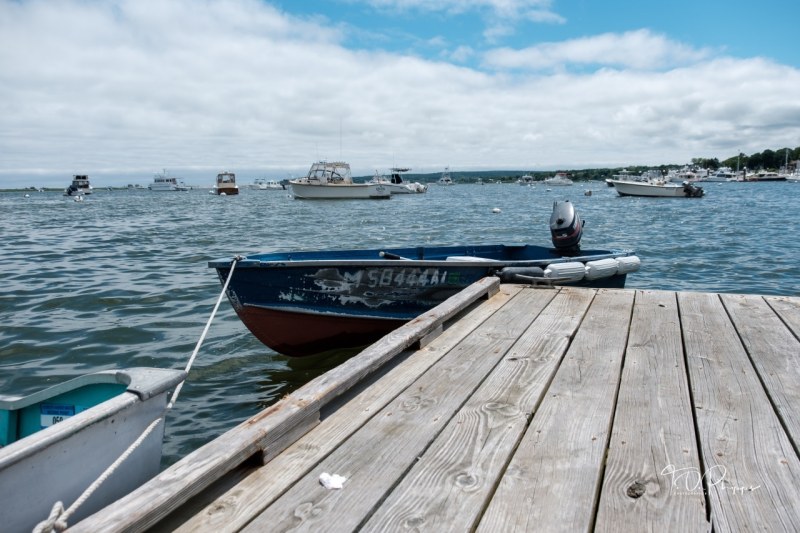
(459, 177)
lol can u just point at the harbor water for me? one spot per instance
(121, 279)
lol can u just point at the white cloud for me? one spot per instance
(639, 49)
(139, 86)
(545, 16)
(501, 16)
(461, 54)
(506, 8)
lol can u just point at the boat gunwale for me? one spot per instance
(144, 382)
(666, 184)
(317, 183)
(135, 393)
(289, 262)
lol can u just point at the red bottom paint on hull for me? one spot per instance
(300, 334)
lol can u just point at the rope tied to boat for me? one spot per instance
(54, 522)
(57, 521)
(202, 338)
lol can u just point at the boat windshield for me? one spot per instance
(330, 173)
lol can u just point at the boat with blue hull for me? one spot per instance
(56, 442)
(303, 303)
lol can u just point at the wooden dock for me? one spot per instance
(512, 408)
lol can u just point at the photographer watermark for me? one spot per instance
(691, 480)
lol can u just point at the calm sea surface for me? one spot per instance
(121, 280)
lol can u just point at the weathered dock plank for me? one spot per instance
(553, 479)
(653, 454)
(159, 497)
(450, 484)
(535, 409)
(404, 429)
(751, 472)
(775, 353)
(788, 308)
(236, 508)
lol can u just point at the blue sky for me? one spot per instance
(435, 29)
(120, 89)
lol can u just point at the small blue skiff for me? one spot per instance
(302, 303)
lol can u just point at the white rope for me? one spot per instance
(53, 522)
(57, 521)
(205, 331)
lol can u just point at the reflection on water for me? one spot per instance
(121, 280)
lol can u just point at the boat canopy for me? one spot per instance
(395, 175)
(335, 172)
(226, 177)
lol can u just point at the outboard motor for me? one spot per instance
(566, 228)
(692, 191)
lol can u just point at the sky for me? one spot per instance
(121, 89)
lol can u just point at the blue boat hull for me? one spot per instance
(303, 303)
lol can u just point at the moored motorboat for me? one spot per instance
(261, 184)
(657, 187)
(396, 184)
(164, 182)
(333, 181)
(765, 176)
(721, 175)
(688, 173)
(623, 175)
(560, 179)
(445, 178)
(226, 184)
(301, 303)
(80, 186)
(56, 442)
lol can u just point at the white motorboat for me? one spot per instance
(226, 184)
(656, 187)
(560, 179)
(396, 184)
(261, 184)
(80, 186)
(687, 173)
(527, 179)
(333, 181)
(56, 442)
(446, 179)
(765, 176)
(163, 182)
(723, 174)
(624, 175)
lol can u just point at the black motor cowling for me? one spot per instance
(566, 228)
(692, 191)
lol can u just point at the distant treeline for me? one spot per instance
(766, 160)
(508, 176)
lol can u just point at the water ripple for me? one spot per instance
(121, 279)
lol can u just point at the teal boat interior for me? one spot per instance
(21, 416)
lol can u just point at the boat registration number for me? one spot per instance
(53, 414)
(405, 277)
